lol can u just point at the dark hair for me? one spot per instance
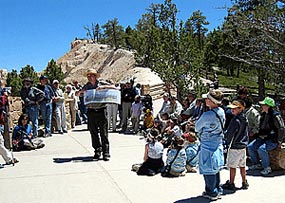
(22, 117)
(243, 90)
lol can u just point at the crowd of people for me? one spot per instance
(210, 132)
(196, 134)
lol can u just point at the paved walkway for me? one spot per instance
(64, 172)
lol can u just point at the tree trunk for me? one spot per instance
(261, 84)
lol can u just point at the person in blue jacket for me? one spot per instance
(22, 138)
(210, 131)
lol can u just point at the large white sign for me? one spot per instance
(102, 96)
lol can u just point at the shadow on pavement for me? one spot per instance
(74, 159)
(79, 130)
(198, 199)
(257, 173)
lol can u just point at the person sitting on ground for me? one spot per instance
(176, 158)
(198, 109)
(22, 138)
(176, 107)
(253, 117)
(157, 124)
(270, 136)
(164, 121)
(148, 120)
(237, 140)
(192, 103)
(153, 162)
(191, 145)
(166, 107)
(171, 131)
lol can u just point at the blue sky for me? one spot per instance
(32, 32)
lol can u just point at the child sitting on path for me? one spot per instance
(176, 159)
(237, 140)
(191, 145)
(153, 162)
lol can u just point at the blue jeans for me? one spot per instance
(33, 114)
(212, 185)
(259, 149)
(46, 112)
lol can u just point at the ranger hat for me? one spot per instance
(92, 72)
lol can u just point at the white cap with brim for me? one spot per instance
(209, 96)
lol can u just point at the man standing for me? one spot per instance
(128, 97)
(32, 96)
(59, 108)
(97, 118)
(46, 104)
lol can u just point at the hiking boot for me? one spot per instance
(212, 198)
(255, 167)
(245, 185)
(266, 171)
(229, 186)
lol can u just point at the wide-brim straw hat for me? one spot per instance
(92, 72)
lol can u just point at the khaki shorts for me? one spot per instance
(236, 158)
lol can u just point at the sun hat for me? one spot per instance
(68, 86)
(92, 72)
(236, 104)
(268, 101)
(165, 94)
(215, 96)
(55, 81)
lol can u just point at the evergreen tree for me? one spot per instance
(255, 34)
(114, 33)
(29, 72)
(54, 72)
(14, 81)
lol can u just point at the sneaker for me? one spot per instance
(212, 198)
(229, 186)
(106, 157)
(245, 185)
(97, 156)
(255, 167)
(60, 132)
(65, 131)
(15, 160)
(191, 169)
(266, 171)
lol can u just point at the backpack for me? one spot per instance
(3, 106)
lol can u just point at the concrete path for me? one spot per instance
(64, 172)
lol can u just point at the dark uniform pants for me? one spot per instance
(98, 123)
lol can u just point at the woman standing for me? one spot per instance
(70, 97)
(210, 130)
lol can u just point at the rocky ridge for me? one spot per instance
(118, 65)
